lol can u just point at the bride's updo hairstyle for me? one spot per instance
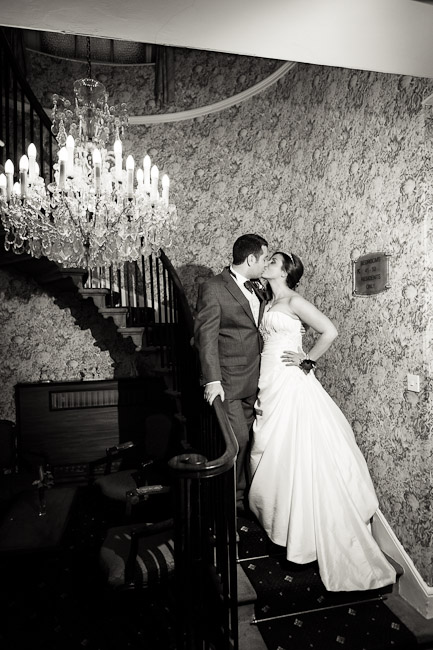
(293, 267)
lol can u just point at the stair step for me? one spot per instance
(150, 349)
(173, 393)
(421, 627)
(118, 314)
(136, 334)
(163, 372)
(246, 591)
(154, 349)
(249, 635)
(59, 274)
(98, 295)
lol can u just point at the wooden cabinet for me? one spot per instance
(72, 423)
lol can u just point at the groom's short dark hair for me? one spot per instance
(247, 245)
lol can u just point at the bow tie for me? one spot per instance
(247, 284)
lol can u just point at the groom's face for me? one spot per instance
(258, 266)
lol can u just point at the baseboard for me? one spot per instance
(411, 585)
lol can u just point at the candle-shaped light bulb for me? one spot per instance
(97, 169)
(24, 166)
(17, 189)
(118, 160)
(70, 146)
(63, 157)
(146, 171)
(31, 152)
(154, 175)
(9, 171)
(165, 188)
(36, 170)
(140, 177)
(130, 164)
(2, 185)
(24, 163)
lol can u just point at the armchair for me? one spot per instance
(132, 472)
(140, 553)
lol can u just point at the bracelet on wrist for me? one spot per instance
(307, 364)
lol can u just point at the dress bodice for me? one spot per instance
(280, 331)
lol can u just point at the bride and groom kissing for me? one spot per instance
(298, 469)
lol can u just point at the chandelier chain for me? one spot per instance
(89, 64)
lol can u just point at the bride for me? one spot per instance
(311, 489)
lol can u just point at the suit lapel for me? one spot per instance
(262, 299)
(233, 288)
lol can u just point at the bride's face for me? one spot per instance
(274, 268)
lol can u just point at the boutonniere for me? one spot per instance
(258, 285)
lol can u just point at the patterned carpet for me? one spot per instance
(308, 616)
(56, 599)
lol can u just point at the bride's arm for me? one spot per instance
(320, 323)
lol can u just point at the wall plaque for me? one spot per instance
(370, 274)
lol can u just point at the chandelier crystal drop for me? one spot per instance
(97, 212)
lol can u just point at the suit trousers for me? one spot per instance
(241, 416)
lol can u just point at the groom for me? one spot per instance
(229, 311)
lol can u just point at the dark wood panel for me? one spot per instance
(80, 434)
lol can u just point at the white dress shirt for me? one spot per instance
(250, 296)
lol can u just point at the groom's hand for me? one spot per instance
(212, 390)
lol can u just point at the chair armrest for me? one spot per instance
(142, 494)
(111, 454)
(118, 449)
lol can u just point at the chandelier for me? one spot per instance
(98, 211)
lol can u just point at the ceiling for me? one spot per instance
(394, 36)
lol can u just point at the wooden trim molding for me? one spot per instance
(411, 585)
(216, 107)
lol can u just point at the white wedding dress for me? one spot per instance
(311, 489)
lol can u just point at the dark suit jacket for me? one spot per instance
(227, 337)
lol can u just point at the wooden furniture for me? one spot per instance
(69, 424)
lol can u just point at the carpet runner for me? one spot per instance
(294, 611)
(54, 599)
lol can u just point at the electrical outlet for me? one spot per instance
(413, 383)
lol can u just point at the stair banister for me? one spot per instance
(203, 468)
(10, 69)
(206, 514)
(205, 543)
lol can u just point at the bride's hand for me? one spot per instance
(291, 358)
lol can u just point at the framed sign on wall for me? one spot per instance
(370, 274)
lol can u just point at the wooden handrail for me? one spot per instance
(189, 321)
(195, 465)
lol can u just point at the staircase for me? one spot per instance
(140, 339)
(287, 607)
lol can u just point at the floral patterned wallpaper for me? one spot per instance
(200, 78)
(331, 164)
(41, 341)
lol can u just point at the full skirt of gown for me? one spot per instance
(311, 489)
